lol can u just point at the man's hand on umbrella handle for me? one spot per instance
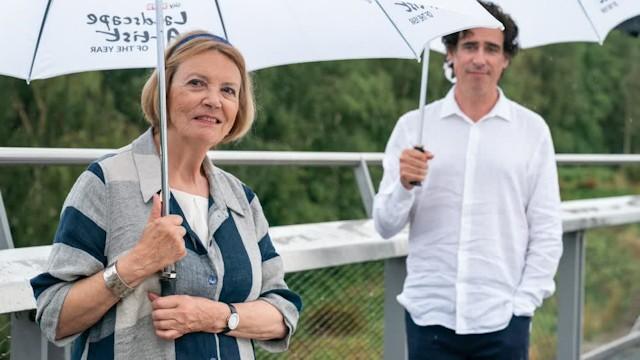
(414, 165)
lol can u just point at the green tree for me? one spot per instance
(69, 111)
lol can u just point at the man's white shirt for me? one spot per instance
(485, 229)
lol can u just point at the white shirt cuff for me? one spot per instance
(400, 197)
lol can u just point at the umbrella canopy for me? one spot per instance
(554, 21)
(50, 38)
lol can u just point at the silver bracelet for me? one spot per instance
(114, 282)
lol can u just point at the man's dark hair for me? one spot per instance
(510, 44)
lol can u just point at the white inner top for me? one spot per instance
(196, 210)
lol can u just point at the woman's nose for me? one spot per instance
(213, 99)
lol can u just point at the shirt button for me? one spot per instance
(213, 358)
(213, 280)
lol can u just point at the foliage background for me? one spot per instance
(587, 93)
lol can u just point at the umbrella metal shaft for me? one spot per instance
(168, 276)
(421, 103)
(423, 92)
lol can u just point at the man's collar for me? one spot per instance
(500, 110)
(450, 106)
(147, 163)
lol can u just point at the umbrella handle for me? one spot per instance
(421, 149)
(168, 284)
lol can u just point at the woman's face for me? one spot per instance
(204, 98)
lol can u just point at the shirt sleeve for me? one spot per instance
(274, 288)
(545, 231)
(77, 251)
(392, 204)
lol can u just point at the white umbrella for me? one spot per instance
(553, 21)
(45, 38)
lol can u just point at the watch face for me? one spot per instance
(234, 319)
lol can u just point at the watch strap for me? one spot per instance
(233, 312)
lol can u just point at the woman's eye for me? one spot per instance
(229, 90)
(196, 82)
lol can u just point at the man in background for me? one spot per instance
(485, 228)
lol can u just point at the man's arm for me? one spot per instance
(402, 165)
(545, 231)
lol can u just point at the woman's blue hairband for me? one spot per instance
(200, 35)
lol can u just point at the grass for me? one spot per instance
(5, 340)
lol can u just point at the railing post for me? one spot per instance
(24, 332)
(365, 185)
(6, 241)
(395, 272)
(571, 296)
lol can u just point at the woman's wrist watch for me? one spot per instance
(233, 320)
(114, 282)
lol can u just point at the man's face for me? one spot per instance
(479, 59)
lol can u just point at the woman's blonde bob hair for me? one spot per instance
(175, 55)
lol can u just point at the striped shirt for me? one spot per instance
(103, 217)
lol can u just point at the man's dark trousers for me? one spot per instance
(436, 342)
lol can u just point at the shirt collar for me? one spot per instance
(501, 109)
(220, 188)
(147, 164)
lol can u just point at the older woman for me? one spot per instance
(101, 286)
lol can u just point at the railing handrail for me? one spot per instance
(79, 156)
